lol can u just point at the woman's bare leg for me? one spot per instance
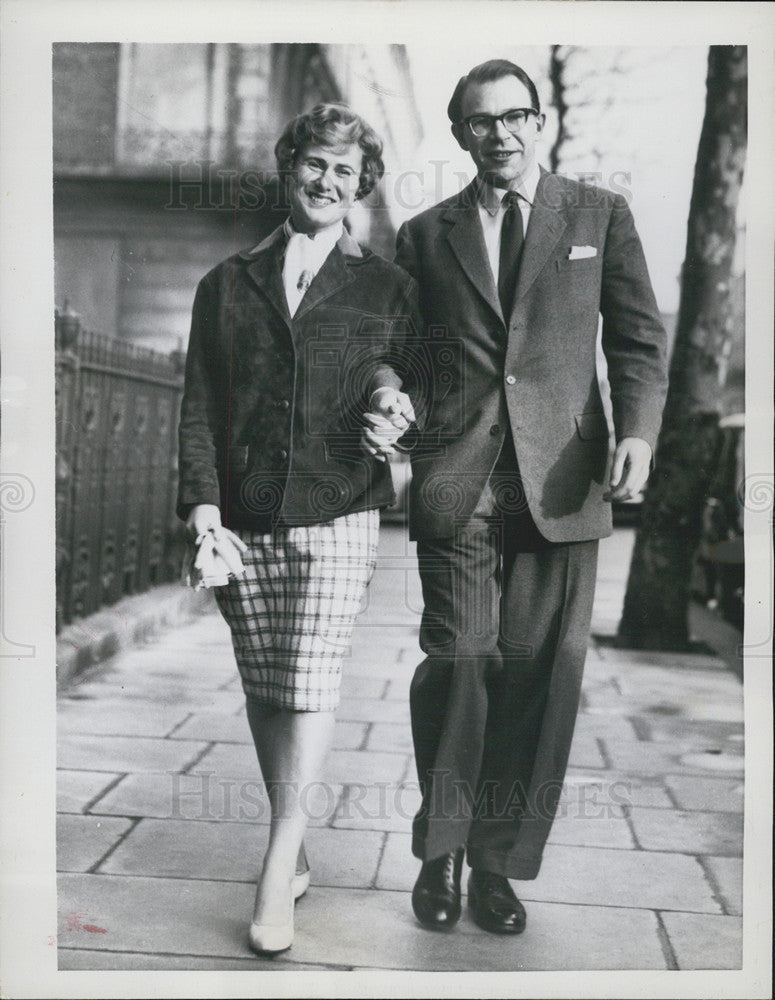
(291, 747)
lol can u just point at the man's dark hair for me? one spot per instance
(335, 126)
(487, 72)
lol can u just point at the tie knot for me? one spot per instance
(510, 200)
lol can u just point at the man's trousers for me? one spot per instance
(505, 631)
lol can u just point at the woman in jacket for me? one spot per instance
(291, 344)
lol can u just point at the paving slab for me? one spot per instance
(658, 682)
(585, 750)
(398, 687)
(233, 852)
(341, 766)
(151, 694)
(614, 789)
(719, 793)
(350, 735)
(392, 640)
(222, 727)
(677, 665)
(198, 667)
(727, 875)
(676, 703)
(661, 759)
(392, 737)
(387, 806)
(125, 753)
(154, 915)
(76, 789)
(361, 686)
(664, 729)
(592, 831)
(83, 840)
(206, 796)
(174, 690)
(615, 727)
(214, 727)
(97, 718)
(705, 942)
(719, 833)
(191, 850)
(642, 879)
(372, 710)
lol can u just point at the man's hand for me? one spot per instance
(630, 469)
(379, 435)
(393, 405)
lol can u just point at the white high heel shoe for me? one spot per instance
(270, 939)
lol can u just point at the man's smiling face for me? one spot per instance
(323, 186)
(500, 157)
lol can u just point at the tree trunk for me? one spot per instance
(655, 614)
(556, 77)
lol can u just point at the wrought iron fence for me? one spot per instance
(116, 468)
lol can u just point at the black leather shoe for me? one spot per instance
(436, 893)
(494, 905)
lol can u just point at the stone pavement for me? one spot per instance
(162, 820)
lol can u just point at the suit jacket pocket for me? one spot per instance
(591, 426)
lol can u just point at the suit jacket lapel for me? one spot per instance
(544, 230)
(467, 243)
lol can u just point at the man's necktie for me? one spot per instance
(512, 238)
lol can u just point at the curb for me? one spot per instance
(132, 621)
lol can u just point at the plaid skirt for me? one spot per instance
(292, 612)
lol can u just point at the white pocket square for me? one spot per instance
(580, 253)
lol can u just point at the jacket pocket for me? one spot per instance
(591, 426)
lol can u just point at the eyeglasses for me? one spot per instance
(514, 121)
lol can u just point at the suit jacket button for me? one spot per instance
(495, 430)
(282, 454)
(510, 380)
(283, 404)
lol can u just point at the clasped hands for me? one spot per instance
(390, 414)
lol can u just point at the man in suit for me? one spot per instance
(511, 484)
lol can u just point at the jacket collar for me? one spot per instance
(265, 263)
(346, 244)
(543, 232)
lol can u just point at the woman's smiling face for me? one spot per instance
(324, 186)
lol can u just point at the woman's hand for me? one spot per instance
(204, 523)
(202, 518)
